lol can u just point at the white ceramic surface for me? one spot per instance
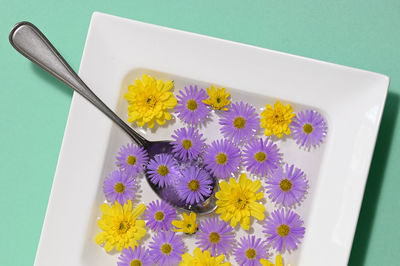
(119, 50)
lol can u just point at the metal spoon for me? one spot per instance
(27, 39)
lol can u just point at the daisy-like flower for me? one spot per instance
(250, 250)
(276, 120)
(188, 143)
(118, 186)
(222, 158)
(190, 108)
(288, 187)
(202, 259)
(166, 248)
(139, 256)
(217, 98)
(159, 215)
(132, 159)
(149, 100)
(261, 156)
(215, 235)
(162, 169)
(238, 201)
(187, 225)
(195, 185)
(239, 123)
(309, 128)
(284, 230)
(278, 261)
(121, 228)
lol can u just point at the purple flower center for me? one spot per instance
(239, 122)
(136, 263)
(283, 230)
(163, 170)
(214, 237)
(193, 185)
(186, 144)
(119, 187)
(166, 248)
(191, 105)
(285, 185)
(221, 158)
(308, 128)
(131, 160)
(251, 253)
(159, 216)
(260, 156)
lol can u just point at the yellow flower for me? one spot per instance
(120, 226)
(276, 120)
(187, 225)
(217, 98)
(202, 259)
(149, 100)
(278, 261)
(238, 201)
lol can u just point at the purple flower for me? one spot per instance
(261, 156)
(162, 169)
(166, 248)
(284, 230)
(216, 236)
(159, 215)
(250, 250)
(118, 186)
(195, 185)
(190, 107)
(288, 187)
(309, 128)
(240, 122)
(188, 143)
(132, 159)
(222, 158)
(137, 256)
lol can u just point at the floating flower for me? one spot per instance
(166, 248)
(132, 159)
(187, 225)
(276, 120)
(239, 123)
(222, 158)
(135, 257)
(188, 143)
(278, 261)
(149, 100)
(309, 128)
(217, 98)
(284, 230)
(288, 187)
(195, 185)
(162, 169)
(238, 201)
(202, 259)
(159, 215)
(190, 108)
(118, 186)
(121, 228)
(250, 250)
(215, 235)
(261, 156)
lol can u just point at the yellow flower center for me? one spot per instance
(119, 187)
(214, 237)
(131, 160)
(221, 158)
(278, 117)
(260, 156)
(163, 170)
(159, 216)
(188, 225)
(241, 202)
(218, 100)
(187, 144)
(191, 105)
(283, 230)
(123, 227)
(251, 253)
(308, 128)
(166, 248)
(136, 263)
(151, 101)
(193, 185)
(239, 122)
(285, 185)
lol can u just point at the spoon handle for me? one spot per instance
(27, 39)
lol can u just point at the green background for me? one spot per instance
(34, 106)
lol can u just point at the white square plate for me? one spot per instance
(119, 50)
